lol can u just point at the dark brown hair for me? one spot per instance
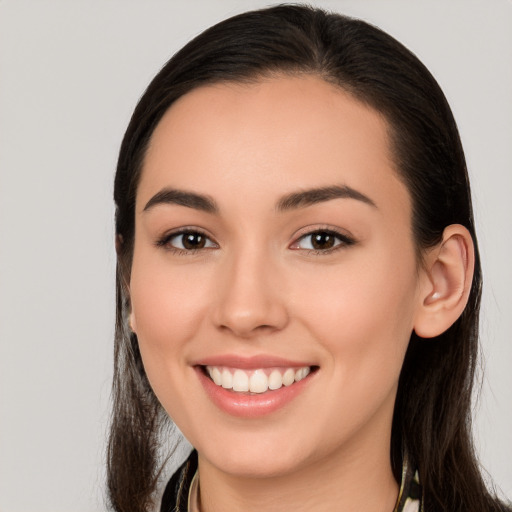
(432, 420)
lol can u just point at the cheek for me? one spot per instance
(362, 316)
(167, 304)
(364, 311)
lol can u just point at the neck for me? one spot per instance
(348, 482)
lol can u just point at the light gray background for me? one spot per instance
(70, 75)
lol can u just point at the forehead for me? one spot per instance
(277, 135)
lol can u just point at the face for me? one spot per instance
(273, 255)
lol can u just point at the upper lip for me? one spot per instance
(249, 363)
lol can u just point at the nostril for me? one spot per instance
(248, 330)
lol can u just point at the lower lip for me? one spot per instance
(251, 405)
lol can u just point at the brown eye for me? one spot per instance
(193, 241)
(187, 241)
(322, 241)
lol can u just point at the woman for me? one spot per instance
(298, 277)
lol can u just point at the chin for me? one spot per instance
(251, 465)
(256, 456)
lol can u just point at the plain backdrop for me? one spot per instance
(70, 75)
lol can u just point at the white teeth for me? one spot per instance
(240, 381)
(216, 376)
(227, 379)
(301, 373)
(289, 377)
(256, 381)
(275, 380)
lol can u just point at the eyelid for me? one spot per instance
(344, 238)
(163, 241)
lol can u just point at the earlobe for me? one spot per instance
(131, 322)
(448, 275)
(119, 242)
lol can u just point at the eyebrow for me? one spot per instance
(183, 198)
(313, 196)
(291, 201)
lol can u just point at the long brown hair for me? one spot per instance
(432, 420)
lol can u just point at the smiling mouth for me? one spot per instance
(256, 381)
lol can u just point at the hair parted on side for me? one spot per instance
(432, 418)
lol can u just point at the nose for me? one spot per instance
(251, 300)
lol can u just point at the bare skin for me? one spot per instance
(331, 282)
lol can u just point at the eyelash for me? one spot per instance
(341, 241)
(166, 239)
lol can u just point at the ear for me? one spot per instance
(446, 282)
(131, 322)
